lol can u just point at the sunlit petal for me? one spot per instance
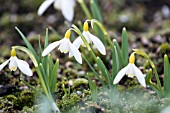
(12, 64)
(98, 44)
(64, 46)
(130, 72)
(23, 66)
(3, 64)
(86, 34)
(76, 53)
(77, 42)
(57, 4)
(50, 47)
(67, 9)
(120, 74)
(44, 6)
(140, 76)
(70, 54)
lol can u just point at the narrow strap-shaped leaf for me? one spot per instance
(104, 70)
(95, 10)
(39, 49)
(46, 39)
(93, 89)
(115, 62)
(121, 60)
(85, 9)
(149, 77)
(125, 45)
(44, 76)
(166, 76)
(54, 76)
(43, 82)
(27, 43)
(95, 73)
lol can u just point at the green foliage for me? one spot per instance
(166, 76)
(80, 81)
(69, 100)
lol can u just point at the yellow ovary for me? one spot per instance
(13, 52)
(132, 58)
(86, 26)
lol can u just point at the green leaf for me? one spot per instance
(93, 89)
(39, 49)
(115, 62)
(85, 9)
(104, 70)
(27, 43)
(125, 46)
(121, 60)
(42, 80)
(95, 73)
(46, 39)
(54, 76)
(45, 77)
(149, 77)
(95, 10)
(166, 76)
(29, 53)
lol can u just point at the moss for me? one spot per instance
(80, 81)
(26, 98)
(68, 101)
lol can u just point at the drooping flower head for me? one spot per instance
(131, 70)
(64, 46)
(90, 39)
(14, 62)
(66, 7)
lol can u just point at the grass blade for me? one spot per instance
(125, 46)
(54, 76)
(115, 62)
(166, 76)
(27, 43)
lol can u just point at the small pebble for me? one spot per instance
(79, 92)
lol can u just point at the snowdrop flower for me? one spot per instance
(131, 70)
(64, 46)
(90, 38)
(14, 62)
(66, 7)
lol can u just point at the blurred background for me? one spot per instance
(147, 23)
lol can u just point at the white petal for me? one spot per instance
(140, 76)
(77, 42)
(76, 53)
(64, 46)
(44, 6)
(50, 47)
(131, 71)
(98, 44)
(67, 9)
(57, 4)
(70, 54)
(12, 64)
(86, 34)
(120, 74)
(3, 64)
(24, 67)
